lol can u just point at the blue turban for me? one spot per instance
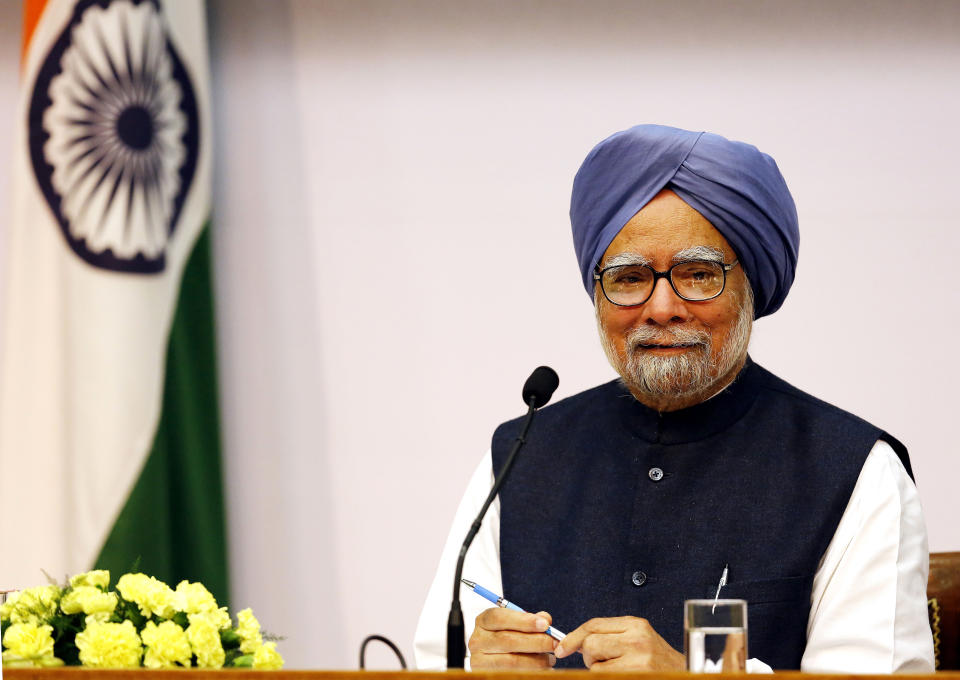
(738, 189)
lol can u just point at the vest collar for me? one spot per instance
(697, 422)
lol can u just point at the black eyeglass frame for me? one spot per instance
(657, 275)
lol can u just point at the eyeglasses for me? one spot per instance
(628, 285)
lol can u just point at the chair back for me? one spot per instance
(943, 595)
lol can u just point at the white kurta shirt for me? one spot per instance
(868, 605)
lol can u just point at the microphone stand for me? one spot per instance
(456, 645)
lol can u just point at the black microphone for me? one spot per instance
(536, 393)
(540, 386)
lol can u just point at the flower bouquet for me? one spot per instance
(142, 622)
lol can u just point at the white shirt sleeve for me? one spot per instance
(481, 565)
(868, 610)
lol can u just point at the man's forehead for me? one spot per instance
(664, 227)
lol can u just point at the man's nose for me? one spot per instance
(665, 306)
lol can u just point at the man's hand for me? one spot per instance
(508, 639)
(621, 643)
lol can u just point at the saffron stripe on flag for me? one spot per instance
(32, 10)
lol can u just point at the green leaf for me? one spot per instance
(65, 647)
(129, 610)
(229, 639)
(244, 661)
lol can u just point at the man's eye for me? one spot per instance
(696, 273)
(630, 277)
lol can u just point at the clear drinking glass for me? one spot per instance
(715, 635)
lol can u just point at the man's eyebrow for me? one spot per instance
(626, 258)
(708, 253)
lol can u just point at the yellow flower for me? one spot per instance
(219, 618)
(149, 594)
(109, 645)
(267, 658)
(33, 605)
(248, 628)
(205, 639)
(193, 598)
(29, 644)
(99, 578)
(7, 607)
(100, 617)
(166, 645)
(89, 600)
(14, 661)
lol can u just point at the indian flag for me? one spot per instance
(109, 441)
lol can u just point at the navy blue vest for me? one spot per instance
(613, 509)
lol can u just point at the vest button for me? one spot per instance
(638, 578)
(656, 474)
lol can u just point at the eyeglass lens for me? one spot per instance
(633, 284)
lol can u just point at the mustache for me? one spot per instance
(653, 335)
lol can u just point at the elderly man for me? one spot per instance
(633, 496)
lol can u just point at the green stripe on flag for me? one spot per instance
(172, 525)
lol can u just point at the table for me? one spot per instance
(238, 674)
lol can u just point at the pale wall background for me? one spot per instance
(393, 253)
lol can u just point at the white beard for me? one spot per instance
(694, 372)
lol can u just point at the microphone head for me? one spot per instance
(540, 386)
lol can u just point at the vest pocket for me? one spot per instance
(769, 591)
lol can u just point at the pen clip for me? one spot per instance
(723, 582)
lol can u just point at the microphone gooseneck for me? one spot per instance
(537, 391)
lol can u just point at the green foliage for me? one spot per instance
(232, 656)
(65, 629)
(229, 639)
(65, 647)
(244, 661)
(129, 611)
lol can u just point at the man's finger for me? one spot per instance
(609, 665)
(496, 618)
(546, 616)
(513, 661)
(574, 640)
(508, 641)
(603, 646)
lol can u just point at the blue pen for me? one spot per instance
(506, 604)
